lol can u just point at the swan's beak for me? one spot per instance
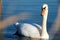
(43, 11)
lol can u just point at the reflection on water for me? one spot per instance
(29, 38)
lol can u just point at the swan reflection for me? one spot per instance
(28, 38)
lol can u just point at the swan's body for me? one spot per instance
(30, 31)
(34, 32)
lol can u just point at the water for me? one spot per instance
(28, 38)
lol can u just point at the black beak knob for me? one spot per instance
(41, 14)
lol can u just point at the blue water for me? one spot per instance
(13, 7)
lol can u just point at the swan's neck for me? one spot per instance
(44, 34)
(44, 26)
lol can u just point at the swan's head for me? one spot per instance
(44, 10)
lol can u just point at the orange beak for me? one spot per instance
(43, 12)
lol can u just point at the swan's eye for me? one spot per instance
(44, 8)
(43, 11)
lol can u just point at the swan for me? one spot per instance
(44, 34)
(36, 31)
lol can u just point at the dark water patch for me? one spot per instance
(57, 36)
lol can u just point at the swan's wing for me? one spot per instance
(38, 25)
(30, 30)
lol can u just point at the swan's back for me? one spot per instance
(30, 31)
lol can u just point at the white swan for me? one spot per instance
(44, 34)
(36, 32)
